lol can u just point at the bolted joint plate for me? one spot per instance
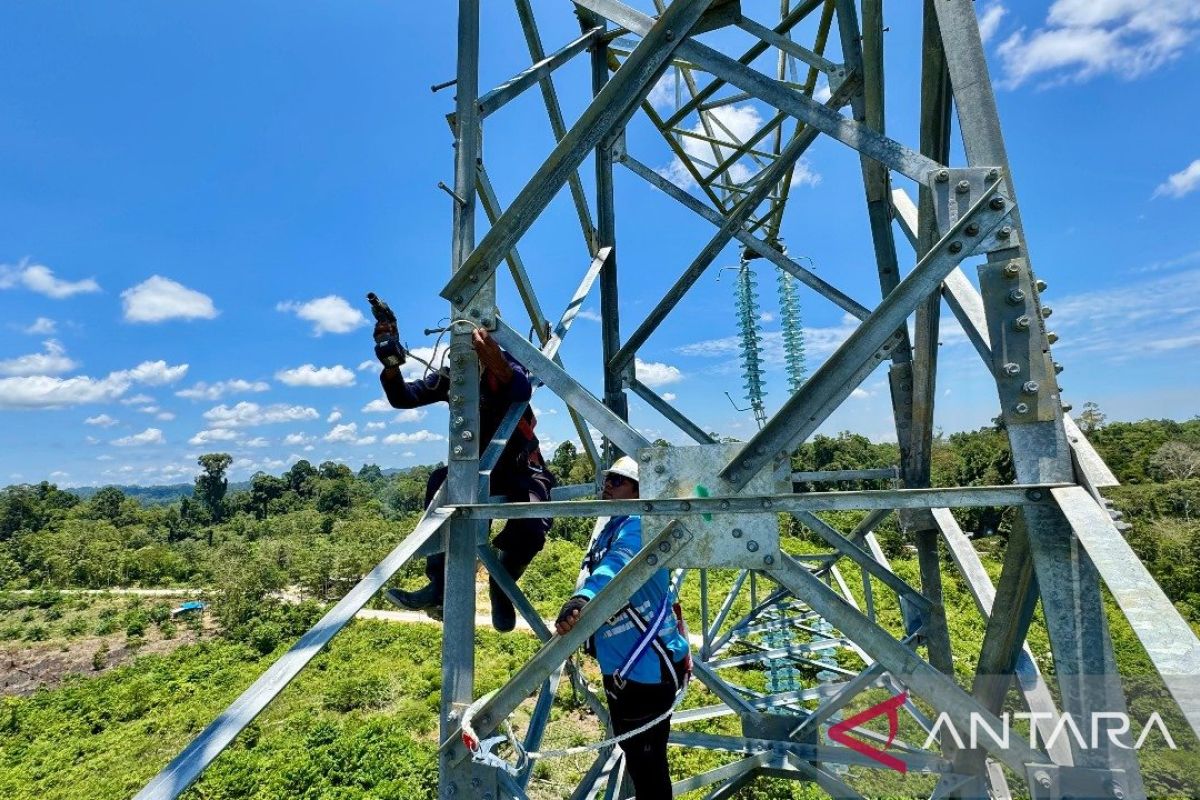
(1021, 361)
(719, 540)
(1052, 782)
(955, 191)
(464, 399)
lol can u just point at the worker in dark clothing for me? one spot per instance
(642, 649)
(519, 475)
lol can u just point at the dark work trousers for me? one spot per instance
(520, 539)
(631, 707)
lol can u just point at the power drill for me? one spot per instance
(388, 348)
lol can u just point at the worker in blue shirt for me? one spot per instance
(642, 650)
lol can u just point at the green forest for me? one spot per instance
(103, 686)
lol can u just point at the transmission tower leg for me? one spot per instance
(462, 481)
(606, 236)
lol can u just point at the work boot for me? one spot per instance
(504, 616)
(428, 599)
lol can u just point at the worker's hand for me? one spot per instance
(569, 615)
(490, 356)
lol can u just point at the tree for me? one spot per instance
(1176, 461)
(370, 473)
(211, 485)
(264, 490)
(300, 477)
(564, 459)
(1091, 419)
(106, 503)
(331, 470)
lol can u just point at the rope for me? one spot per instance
(481, 751)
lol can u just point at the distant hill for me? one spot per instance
(146, 495)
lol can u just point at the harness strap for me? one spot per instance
(648, 639)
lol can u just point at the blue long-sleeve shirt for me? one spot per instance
(494, 400)
(617, 544)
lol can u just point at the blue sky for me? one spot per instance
(194, 198)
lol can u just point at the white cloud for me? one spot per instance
(375, 426)
(990, 19)
(1162, 315)
(1184, 182)
(212, 435)
(662, 95)
(410, 415)
(413, 438)
(137, 399)
(860, 394)
(312, 375)
(257, 441)
(654, 374)
(803, 173)
(819, 342)
(366, 366)
(158, 299)
(823, 93)
(40, 279)
(148, 436)
(670, 397)
(52, 360)
(342, 433)
(329, 314)
(295, 439)
(44, 391)
(165, 416)
(215, 391)
(157, 373)
(1081, 39)
(103, 420)
(334, 416)
(245, 415)
(377, 406)
(590, 315)
(42, 326)
(348, 434)
(149, 409)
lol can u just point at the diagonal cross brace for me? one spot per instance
(901, 661)
(186, 767)
(850, 132)
(860, 353)
(571, 391)
(609, 110)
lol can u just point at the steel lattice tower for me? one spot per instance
(1063, 543)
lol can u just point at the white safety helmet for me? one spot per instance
(624, 466)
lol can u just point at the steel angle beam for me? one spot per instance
(864, 349)
(850, 132)
(1167, 637)
(187, 766)
(915, 673)
(609, 111)
(513, 87)
(1029, 677)
(570, 390)
(659, 404)
(864, 560)
(731, 223)
(960, 497)
(656, 553)
(723, 774)
(764, 249)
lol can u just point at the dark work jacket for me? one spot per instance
(519, 454)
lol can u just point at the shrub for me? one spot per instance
(100, 657)
(168, 629)
(353, 692)
(160, 613)
(75, 626)
(136, 623)
(265, 637)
